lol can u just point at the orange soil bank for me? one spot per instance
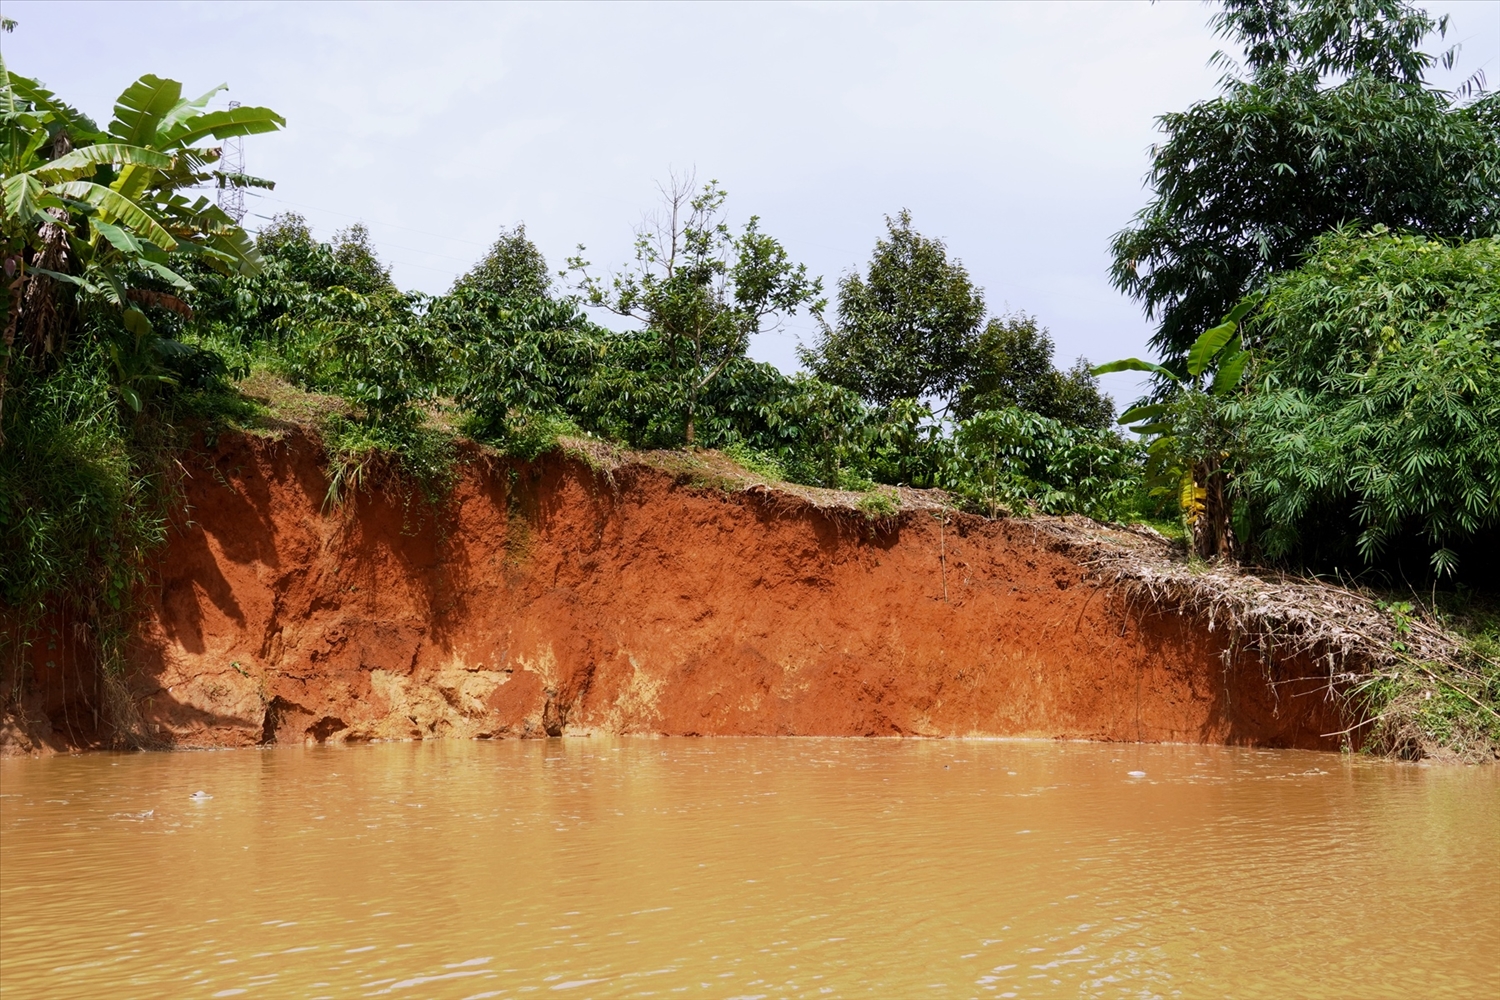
(552, 600)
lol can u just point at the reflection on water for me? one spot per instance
(746, 868)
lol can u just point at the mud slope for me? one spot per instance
(554, 600)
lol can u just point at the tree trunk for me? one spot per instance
(692, 407)
(1212, 527)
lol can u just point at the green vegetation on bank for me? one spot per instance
(1416, 707)
(98, 225)
(1329, 307)
(1321, 251)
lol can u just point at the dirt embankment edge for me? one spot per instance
(551, 598)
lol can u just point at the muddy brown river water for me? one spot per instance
(747, 868)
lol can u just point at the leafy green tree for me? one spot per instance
(906, 328)
(701, 292)
(1317, 37)
(296, 262)
(1373, 431)
(325, 315)
(513, 268)
(373, 350)
(1328, 124)
(355, 253)
(1014, 460)
(521, 359)
(821, 434)
(1011, 366)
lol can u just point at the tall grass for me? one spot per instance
(86, 488)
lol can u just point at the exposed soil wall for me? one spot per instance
(551, 599)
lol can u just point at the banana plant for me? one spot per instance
(1187, 441)
(103, 209)
(122, 187)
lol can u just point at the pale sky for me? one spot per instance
(1017, 133)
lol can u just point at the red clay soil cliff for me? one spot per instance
(551, 599)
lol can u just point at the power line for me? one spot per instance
(398, 246)
(361, 218)
(403, 263)
(425, 267)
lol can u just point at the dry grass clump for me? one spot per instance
(1414, 681)
(287, 407)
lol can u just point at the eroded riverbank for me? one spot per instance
(554, 597)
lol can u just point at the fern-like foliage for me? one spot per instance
(1375, 415)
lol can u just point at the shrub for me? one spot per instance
(1014, 460)
(1374, 422)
